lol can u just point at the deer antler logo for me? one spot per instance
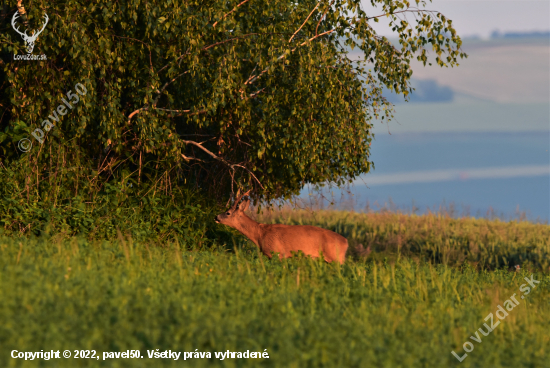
(29, 40)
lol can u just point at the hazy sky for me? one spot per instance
(482, 17)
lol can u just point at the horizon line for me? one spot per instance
(431, 176)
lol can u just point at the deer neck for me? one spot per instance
(249, 228)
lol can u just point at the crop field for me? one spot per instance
(501, 86)
(467, 116)
(497, 70)
(513, 70)
(416, 290)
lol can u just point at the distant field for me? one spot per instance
(504, 71)
(467, 116)
(502, 86)
(498, 70)
(403, 305)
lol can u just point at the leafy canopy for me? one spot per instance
(216, 94)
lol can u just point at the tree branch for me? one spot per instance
(22, 12)
(235, 8)
(206, 150)
(214, 45)
(250, 172)
(187, 111)
(168, 110)
(145, 43)
(231, 166)
(187, 158)
(254, 78)
(252, 95)
(155, 101)
(408, 10)
(303, 24)
(136, 112)
(166, 85)
(325, 13)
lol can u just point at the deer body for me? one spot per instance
(285, 239)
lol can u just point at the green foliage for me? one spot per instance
(113, 296)
(220, 93)
(85, 206)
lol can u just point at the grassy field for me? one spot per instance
(425, 288)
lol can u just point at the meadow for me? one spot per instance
(424, 286)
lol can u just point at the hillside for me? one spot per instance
(497, 70)
(500, 70)
(501, 86)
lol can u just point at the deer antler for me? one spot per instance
(244, 195)
(46, 19)
(29, 40)
(238, 198)
(35, 34)
(13, 19)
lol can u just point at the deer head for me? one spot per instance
(233, 216)
(29, 40)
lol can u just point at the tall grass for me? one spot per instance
(68, 294)
(485, 244)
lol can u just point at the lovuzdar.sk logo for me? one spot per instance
(29, 40)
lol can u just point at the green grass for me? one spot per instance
(409, 311)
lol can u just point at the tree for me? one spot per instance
(213, 93)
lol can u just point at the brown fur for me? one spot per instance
(285, 239)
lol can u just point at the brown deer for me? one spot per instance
(284, 239)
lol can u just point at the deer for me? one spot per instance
(29, 40)
(284, 239)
